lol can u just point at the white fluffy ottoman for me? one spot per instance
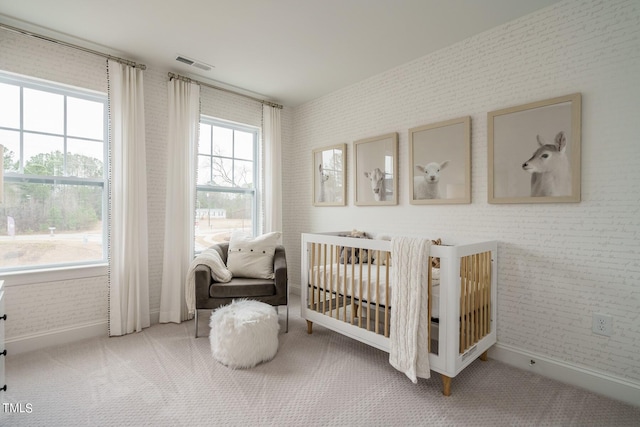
(244, 333)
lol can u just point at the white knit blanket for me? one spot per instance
(409, 334)
(211, 258)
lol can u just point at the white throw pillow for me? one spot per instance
(252, 257)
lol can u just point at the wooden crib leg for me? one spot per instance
(309, 327)
(484, 356)
(446, 385)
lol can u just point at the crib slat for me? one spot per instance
(321, 277)
(316, 265)
(469, 306)
(463, 287)
(429, 304)
(344, 285)
(334, 291)
(488, 293)
(377, 289)
(324, 279)
(360, 296)
(485, 285)
(481, 286)
(313, 274)
(474, 307)
(353, 289)
(387, 298)
(315, 262)
(368, 295)
(331, 278)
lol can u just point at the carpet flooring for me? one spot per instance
(163, 376)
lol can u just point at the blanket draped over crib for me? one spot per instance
(409, 333)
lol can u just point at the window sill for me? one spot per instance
(53, 274)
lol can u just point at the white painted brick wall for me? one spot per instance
(558, 263)
(156, 127)
(53, 306)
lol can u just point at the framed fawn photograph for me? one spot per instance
(534, 152)
(376, 170)
(329, 176)
(440, 163)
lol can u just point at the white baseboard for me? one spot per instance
(43, 340)
(597, 382)
(27, 343)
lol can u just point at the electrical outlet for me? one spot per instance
(602, 324)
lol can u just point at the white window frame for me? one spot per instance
(254, 191)
(68, 270)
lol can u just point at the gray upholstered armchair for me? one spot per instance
(211, 294)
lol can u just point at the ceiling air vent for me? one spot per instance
(194, 63)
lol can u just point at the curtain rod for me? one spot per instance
(189, 80)
(73, 46)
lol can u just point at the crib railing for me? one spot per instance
(338, 294)
(350, 298)
(475, 299)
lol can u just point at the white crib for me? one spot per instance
(351, 299)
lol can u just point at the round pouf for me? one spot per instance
(244, 333)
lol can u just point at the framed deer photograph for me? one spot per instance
(440, 163)
(376, 170)
(534, 152)
(329, 176)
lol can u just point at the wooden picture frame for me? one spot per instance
(534, 152)
(376, 170)
(440, 163)
(329, 176)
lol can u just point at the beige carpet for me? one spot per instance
(165, 377)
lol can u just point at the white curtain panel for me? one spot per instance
(273, 168)
(129, 254)
(184, 119)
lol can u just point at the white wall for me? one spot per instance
(558, 263)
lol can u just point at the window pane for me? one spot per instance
(243, 174)
(219, 214)
(9, 106)
(243, 145)
(204, 143)
(222, 141)
(11, 142)
(204, 170)
(222, 170)
(84, 158)
(43, 111)
(85, 118)
(43, 155)
(50, 224)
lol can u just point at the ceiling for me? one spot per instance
(287, 51)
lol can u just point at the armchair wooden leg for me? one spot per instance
(484, 356)
(309, 327)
